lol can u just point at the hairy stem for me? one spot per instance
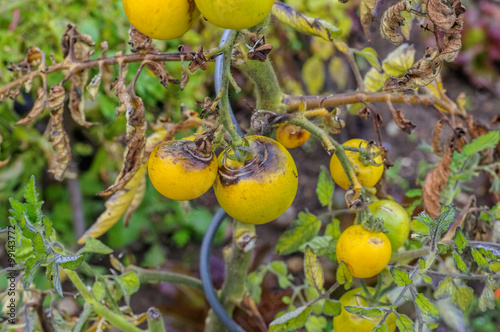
(237, 262)
(153, 276)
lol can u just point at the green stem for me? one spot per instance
(237, 264)
(153, 276)
(115, 319)
(155, 321)
(409, 255)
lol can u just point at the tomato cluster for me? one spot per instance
(255, 191)
(169, 19)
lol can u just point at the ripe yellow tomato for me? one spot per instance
(395, 219)
(365, 252)
(351, 322)
(161, 19)
(367, 175)
(260, 189)
(291, 136)
(234, 14)
(179, 171)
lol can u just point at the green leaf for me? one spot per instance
(313, 270)
(443, 248)
(462, 297)
(444, 289)
(414, 193)
(254, 283)
(321, 245)
(333, 229)
(421, 263)
(28, 229)
(300, 231)
(399, 61)
(460, 240)
(316, 324)
(382, 328)
(291, 321)
(332, 308)
(488, 251)
(325, 187)
(426, 306)
(426, 278)
(95, 246)
(17, 210)
(49, 232)
(39, 244)
(432, 326)
(404, 323)
(374, 81)
(99, 290)
(130, 282)
(344, 276)
(32, 266)
(279, 267)
(68, 262)
(401, 278)
(364, 311)
(489, 140)
(30, 193)
(371, 56)
(54, 277)
(487, 299)
(494, 267)
(313, 74)
(480, 260)
(460, 263)
(445, 219)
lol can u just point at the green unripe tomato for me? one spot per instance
(260, 189)
(395, 219)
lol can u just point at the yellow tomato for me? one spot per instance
(260, 189)
(234, 14)
(179, 171)
(291, 136)
(368, 175)
(351, 322)
(366, 253)
(161, 19)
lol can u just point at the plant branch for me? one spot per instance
(454, 276)
(153, 276)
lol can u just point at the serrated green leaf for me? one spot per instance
(333, 229)
(27, 228)
(401, 278)
(446, 218)
(382, 328)
(483, 142)
(17, 209)
(32, 266)
(364, 311)
(321, 245)
(370, 55)
(49, 232)
(95, 246)
(443, 248)
(315, 324)
(462, 297)
(488, 251)
(480, 260)
(313, 270)
(426, 306)
(32, 204)
(487, 299)
(404, 323)
(54, 277)
(325, 187)
(426, 278)
(130, 282)
(344, 276)
(301, 230)
(99, 290)
(444, 289)
(494, 267)
(279, 267)
(460, 240)
(291, 321)
(460, 263)
(432, 326)
(38, 244)
(30, 193)
(421, 263)
(332, 308)
(68, 262)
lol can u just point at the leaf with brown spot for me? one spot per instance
(367, 11)
(120, 203)
(76, 101)
(136, 144)
(58, 136)
(37, 109)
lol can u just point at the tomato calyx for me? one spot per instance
(367, 154)
(366, 218)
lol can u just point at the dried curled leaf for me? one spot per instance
(58, 136)
(141, 42)
(124, 98)
(452, 39)
(199, 60)
(436, 137)
(93, 86)
(440, 13)
(117, 205)
(392, 20)
(82, 43)
(434, 183)
(137, 200)
(406, 125)
(76, 101)
(303, 23)
(367, 11)
(38, 107)
(158, 69)
(136, 144)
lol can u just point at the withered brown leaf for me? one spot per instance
(434, 183)
(392, 20)
(37, 109)
(406, 125)
(436, 137)
(136, 144)
(58, 136)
